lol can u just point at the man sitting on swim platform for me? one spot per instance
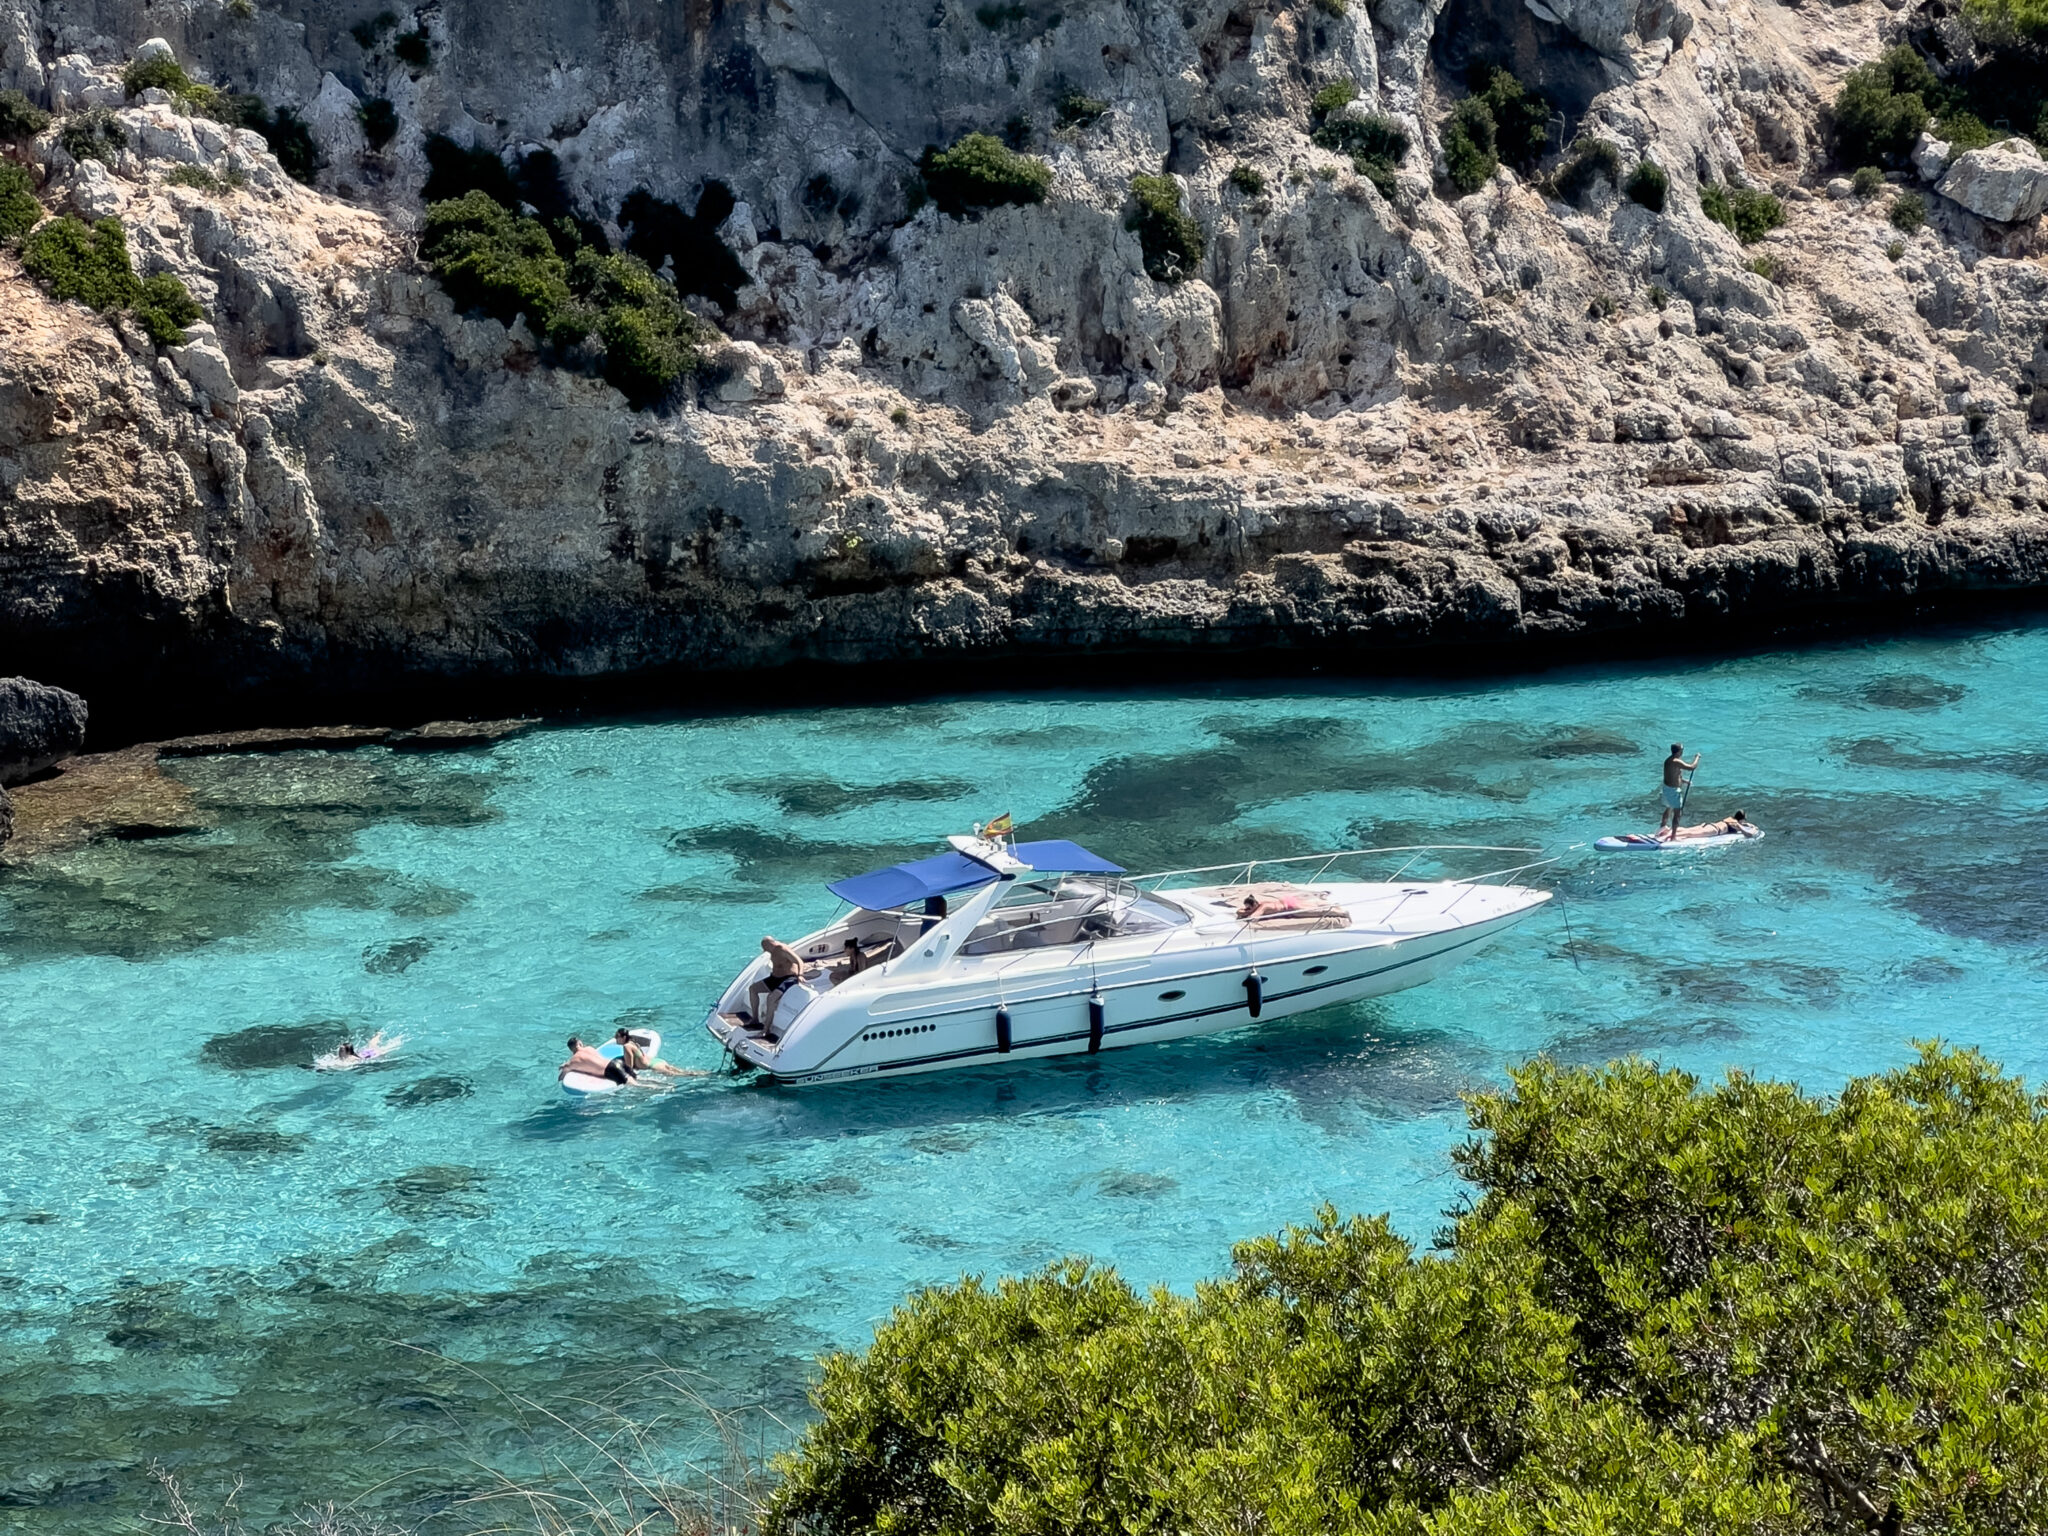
(785, 970)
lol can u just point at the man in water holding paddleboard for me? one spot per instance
(1675, 770)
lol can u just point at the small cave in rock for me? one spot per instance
(1509, 35)
(658, 230)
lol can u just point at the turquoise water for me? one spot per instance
(212, 1258)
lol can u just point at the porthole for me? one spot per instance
(1315, 970)
(1171, 997)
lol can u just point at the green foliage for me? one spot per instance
(89, 263)
(1909, 212)
(1338, 93)
(380, 121)
(201, 179)
(20, 118)
(1769, 268)
(1664, 1310)
(167, 74)
(1172, 241)
(1469, 138)
(1867, 182)
(2008, 21)
(19, 210)
(1895, 250)
(1375, 144)
(981, 171)
(1335, 9)
(1521, 116)
(996, 17)
(93, 135)
(1748, 213)
(1964, 132)
(242, 10)
(1077, 109)
(505, 265)
(1502, 120)
(1649, 186)
(494, 261)
(1246, 179)
(414, 49)
(1882, 108)
(1659, 299)
(1592, 161)
(164, 307)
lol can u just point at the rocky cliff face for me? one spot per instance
(1371, 422)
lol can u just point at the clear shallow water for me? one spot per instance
(211, 1257)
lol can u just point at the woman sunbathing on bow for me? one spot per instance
(1257, 906)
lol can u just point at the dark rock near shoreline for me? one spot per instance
(39, 726)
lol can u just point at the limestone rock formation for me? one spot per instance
(1367, 423)
(39, 726)
(2006, 181)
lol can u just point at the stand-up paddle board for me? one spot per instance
(1642, 842)
(577, 1083)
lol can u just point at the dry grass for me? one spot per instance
(604, 1474)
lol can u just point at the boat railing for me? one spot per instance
(1243, 872)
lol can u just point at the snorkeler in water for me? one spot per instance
(348, 1054)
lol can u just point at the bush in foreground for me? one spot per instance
(1737, 1310)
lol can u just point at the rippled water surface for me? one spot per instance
(213, 1258)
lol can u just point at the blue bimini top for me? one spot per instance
(901, 884)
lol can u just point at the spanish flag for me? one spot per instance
(1002, 826)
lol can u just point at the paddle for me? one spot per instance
(1684, 793)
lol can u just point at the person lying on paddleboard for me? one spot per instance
(586, 1060)
(1675, 770)
(1738, 825)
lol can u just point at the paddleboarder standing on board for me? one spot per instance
(1676, 768)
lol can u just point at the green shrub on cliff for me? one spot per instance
(1748, 213)
(1374, 143)
(167, 74)
(1883, 107)
(1649, 185)
(1662, 1309)
(1172, 241)
(1592, 161)
(2008, 21)
(90, 264)
(20, 118)
(93, 135)
(505, 265)
(981, 171)
(19, 209)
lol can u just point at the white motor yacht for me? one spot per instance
(1002, 950)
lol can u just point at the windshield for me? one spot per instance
(1055, 910)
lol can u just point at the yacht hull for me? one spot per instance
(1116, 1002)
